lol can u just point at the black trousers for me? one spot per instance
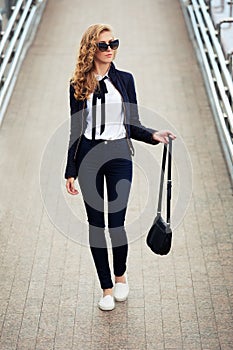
(100, 160)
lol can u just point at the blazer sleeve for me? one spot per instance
(137, 130)
(71, 170)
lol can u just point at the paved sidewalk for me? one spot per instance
(49, 289)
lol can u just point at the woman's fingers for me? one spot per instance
(163, 136)
(167, 134)
(171, 135)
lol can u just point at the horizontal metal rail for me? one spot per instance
(215, 71)
(10, 25)
(22, 24)
(226, 74)
(13, 45)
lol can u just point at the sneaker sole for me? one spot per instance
(121, 299)
(106, 308)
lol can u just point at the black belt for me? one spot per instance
(103, 140)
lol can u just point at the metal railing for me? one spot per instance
(14, 41)
(216, 72)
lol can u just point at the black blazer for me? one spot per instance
(124, 83)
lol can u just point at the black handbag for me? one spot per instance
(159, 237)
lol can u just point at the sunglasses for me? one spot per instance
(104, 46)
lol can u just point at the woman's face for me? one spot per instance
(106, 56)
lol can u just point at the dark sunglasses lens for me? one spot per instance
(102, 46)
(114, 44)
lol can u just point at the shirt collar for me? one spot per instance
(100, 77)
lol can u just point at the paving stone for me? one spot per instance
(10, 331)
(45, 343)
(26, 344)
(29, 325)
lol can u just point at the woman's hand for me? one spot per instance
(70, 186)
(162, 136)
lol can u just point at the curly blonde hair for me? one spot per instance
(83, 79)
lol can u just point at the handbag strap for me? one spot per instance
(169, 181)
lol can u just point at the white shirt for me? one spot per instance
(114, 114)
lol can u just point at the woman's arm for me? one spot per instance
(139, 131)
(70, 170)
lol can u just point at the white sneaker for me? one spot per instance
(107, 303)
(121, 290)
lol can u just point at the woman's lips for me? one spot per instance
(109, 55)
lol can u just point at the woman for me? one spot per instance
(104, 118)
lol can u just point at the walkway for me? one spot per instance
(48, 285)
